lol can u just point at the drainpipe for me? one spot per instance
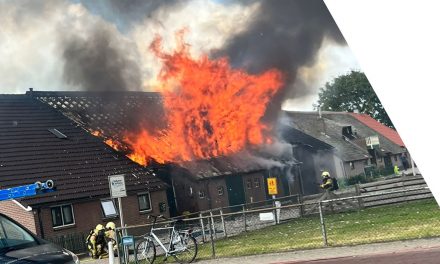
(40, 222)
(174, 193)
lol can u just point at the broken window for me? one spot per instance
(220, 190)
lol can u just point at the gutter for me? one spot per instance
(27, 209)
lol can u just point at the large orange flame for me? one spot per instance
(211, 109)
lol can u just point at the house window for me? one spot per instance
(144, 202)
(201, 194)
(352, 165)
(220, 190)
(257, 182)
(62, 215)
(190, 193)
(108, 208)
(249, 183)
(395, 158)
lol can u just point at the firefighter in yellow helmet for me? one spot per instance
(96, 241)
(327, 182)
(110, 234)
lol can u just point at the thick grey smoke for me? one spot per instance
(100, 59)
(286, 35)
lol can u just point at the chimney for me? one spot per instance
(30, 92)
(319, 111)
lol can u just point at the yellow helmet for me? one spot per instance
(99, 227)
(110, 225)
(325, 174)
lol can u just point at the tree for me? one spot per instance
(353, 92)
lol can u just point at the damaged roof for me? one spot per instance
(239, 163)
(328, 129)
(39, 143)
(109, 113)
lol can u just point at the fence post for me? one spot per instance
(111, 254)
(324, 232)
(244, 218)
(358, 193)
(301, 207)
(211, 224)
(223, 223)
(203, 227)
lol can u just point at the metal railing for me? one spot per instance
(214, 228)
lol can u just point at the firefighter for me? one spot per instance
(110, 234)
(396, 170)
(96, 242)
(327, 182)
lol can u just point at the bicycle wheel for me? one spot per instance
(145, 252)
(186, 249)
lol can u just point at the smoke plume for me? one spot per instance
(286, 35)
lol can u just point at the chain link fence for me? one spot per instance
(291, 224)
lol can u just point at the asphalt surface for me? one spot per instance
(425, 256)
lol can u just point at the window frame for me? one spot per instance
(62, 216)
(114, 205)
(149, 199)
(248, 184)
(257, 183)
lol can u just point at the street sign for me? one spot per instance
(117, 186)
(266, 217)
(128, 240)
(272, 186)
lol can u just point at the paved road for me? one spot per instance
(422, 256)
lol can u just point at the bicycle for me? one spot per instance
(182, 246)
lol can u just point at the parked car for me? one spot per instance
(19, 246)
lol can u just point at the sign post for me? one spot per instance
(272, 189)
(117, 190)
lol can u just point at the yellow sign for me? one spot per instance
(272, 186)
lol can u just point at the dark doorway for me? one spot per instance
(234, 184)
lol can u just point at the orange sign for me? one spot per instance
(272, 186)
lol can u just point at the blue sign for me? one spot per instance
(128, 240)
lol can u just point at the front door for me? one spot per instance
(234, 184)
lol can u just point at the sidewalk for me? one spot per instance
(331, 252)
(322, 253)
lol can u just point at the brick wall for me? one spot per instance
(88, 214)
(20, 215)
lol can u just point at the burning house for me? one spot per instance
(198, 184)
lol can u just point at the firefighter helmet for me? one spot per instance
(325, 174)
(110, 225)
(99, 227)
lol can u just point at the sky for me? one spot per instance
(93, 45)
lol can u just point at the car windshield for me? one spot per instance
(13, 236)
